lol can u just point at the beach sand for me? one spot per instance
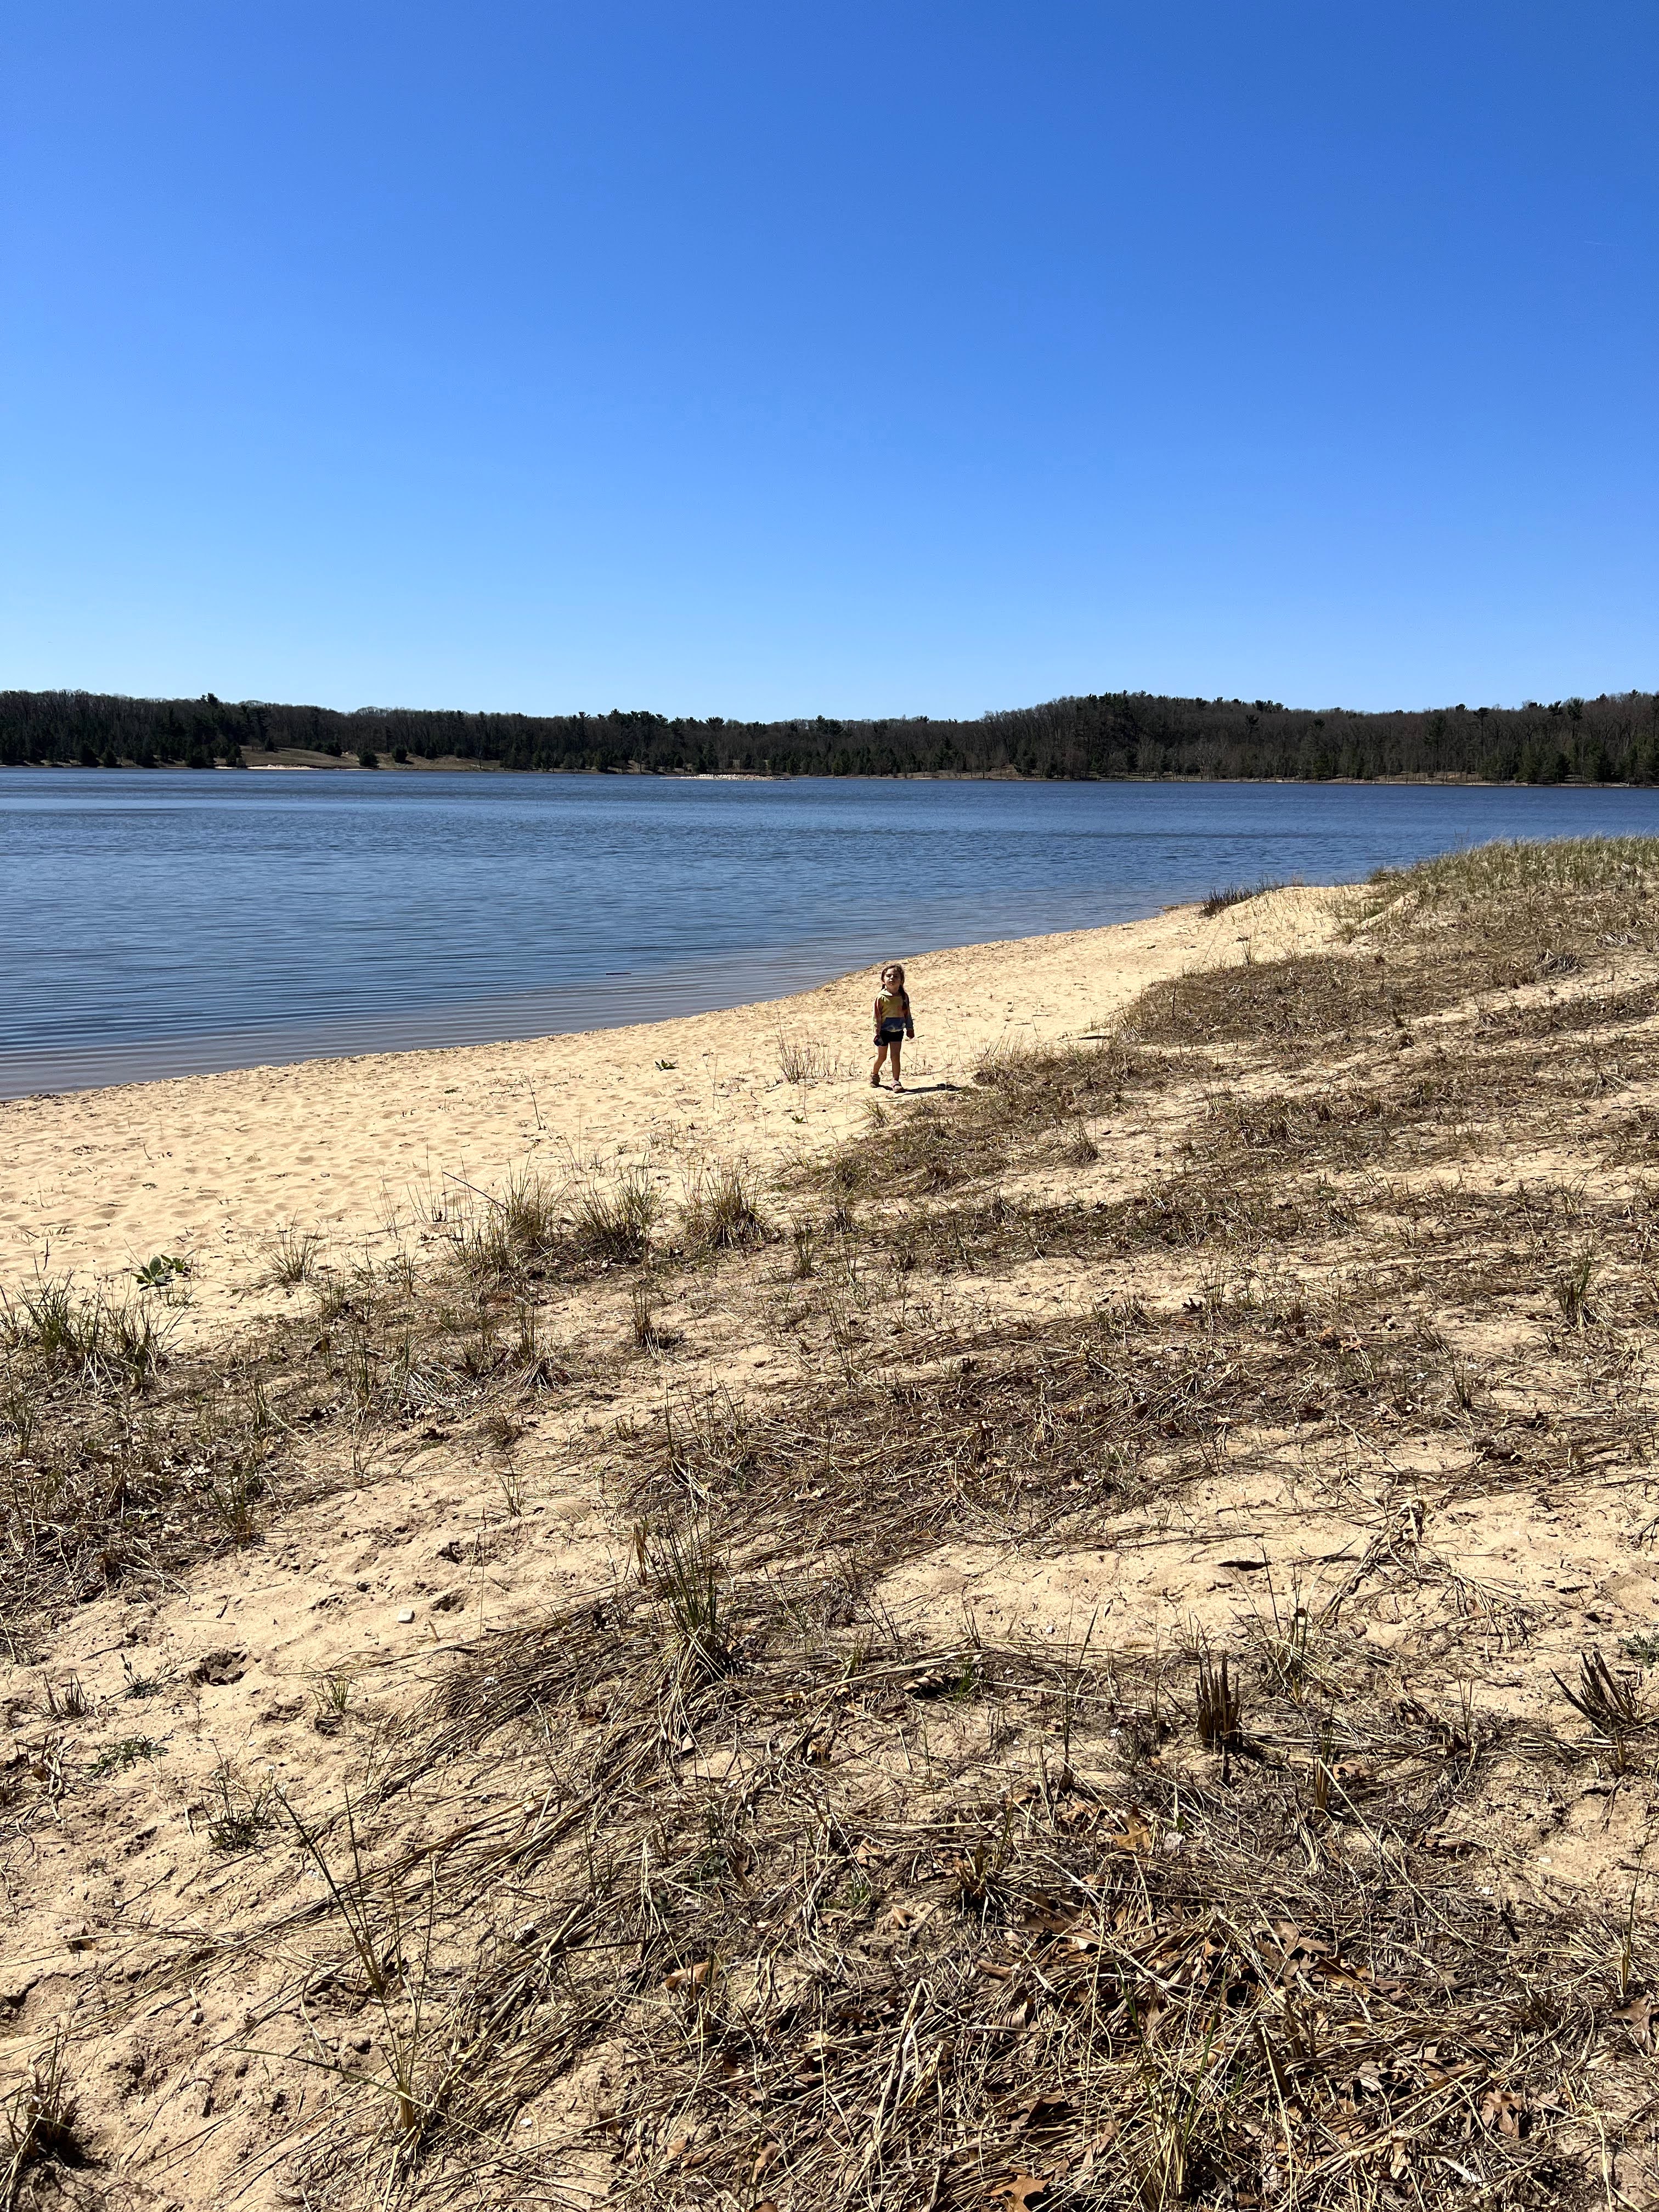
(210, 1168)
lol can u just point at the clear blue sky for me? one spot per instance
(866, 357)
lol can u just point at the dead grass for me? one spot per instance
(1006, 1881)
(1236, 895)
(40, 2139)
(1023, 1095)
(803, 1060)
(722, 1214)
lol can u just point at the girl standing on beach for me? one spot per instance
(893, 1024)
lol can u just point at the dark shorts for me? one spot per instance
(892, 1032)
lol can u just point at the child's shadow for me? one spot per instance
(917, 1089)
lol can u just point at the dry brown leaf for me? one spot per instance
(1039, 2111)
(1135, 1836)
(688, 1978)
(1503, 2109)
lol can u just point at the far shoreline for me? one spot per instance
(292, 763)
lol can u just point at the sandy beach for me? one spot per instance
(210, 1168)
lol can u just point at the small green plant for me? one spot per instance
(118, 1757)
(529, 1215)
(332, 1696)
(158, 1273)
(138, 1686)
(133, 1344)
(102, 1341)
(244, 1813)
(233, 1495)
(1571, 1285)
(45, 1317)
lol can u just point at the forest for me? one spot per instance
(1611, 740)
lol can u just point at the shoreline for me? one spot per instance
(208, 1168)
(289, 763)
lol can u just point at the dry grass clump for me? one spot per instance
(58, 1330)
(1236, 895)
(1281, 1005)
(1023, 1093)
(721, 1213)
(100, 1482)
(613, 1221)
(119, 1462)
(40, 2139)
(498, 1238)
(295, 1253)
(803, 1060)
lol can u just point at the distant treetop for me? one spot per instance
(1614, 739)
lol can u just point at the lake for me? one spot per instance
(164, 923)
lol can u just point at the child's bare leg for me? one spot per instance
(893, 1052)
(875, 1072)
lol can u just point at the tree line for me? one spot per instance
(1611, 740)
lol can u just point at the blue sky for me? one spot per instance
(765, 359)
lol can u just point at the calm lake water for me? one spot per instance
(161, 923)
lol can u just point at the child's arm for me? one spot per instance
(909, 1026)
